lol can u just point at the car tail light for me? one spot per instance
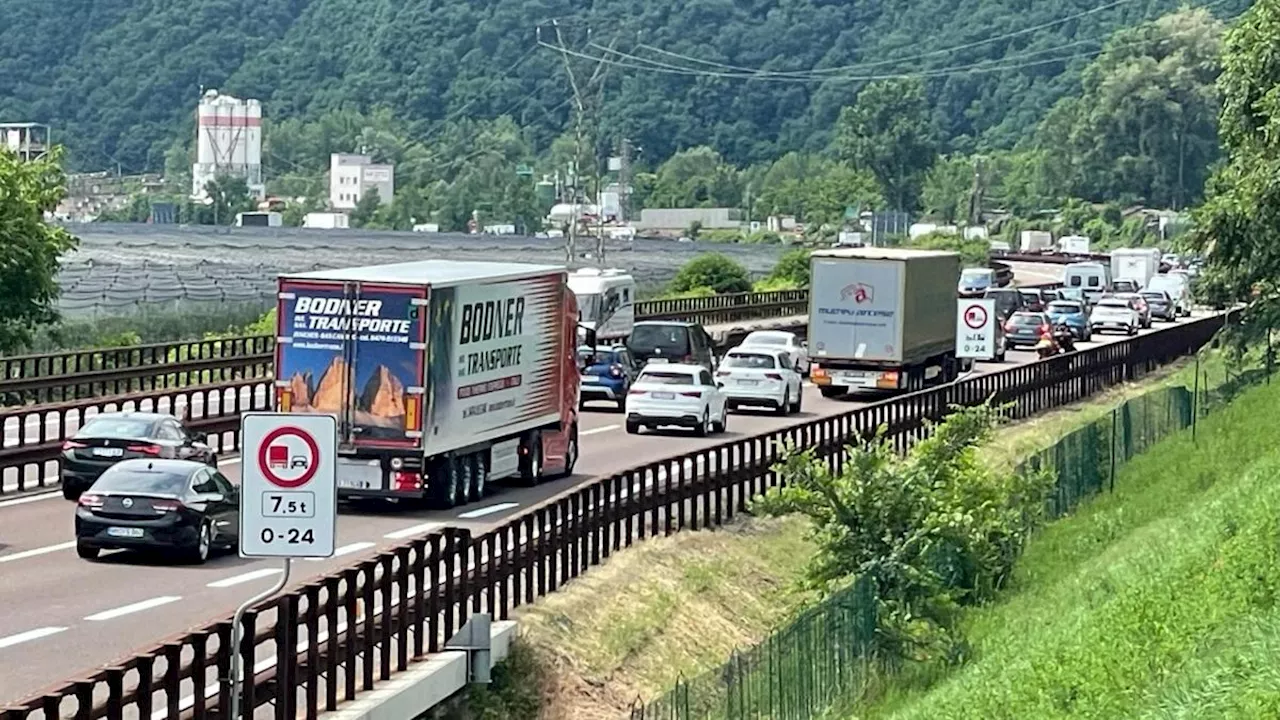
(615, 371)
(164, 506)
(722, 373)
(1044, 329)
(692, 393)
(73, 445)
(88, 500)
(144, 449)
(687, 359)
(633, 391)
(406, 480)
(1009, 327)
(773, 376)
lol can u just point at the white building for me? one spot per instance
(228, 142)
(351, 176)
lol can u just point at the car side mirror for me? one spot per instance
(198, 437)
(215, 497)
(720, 384)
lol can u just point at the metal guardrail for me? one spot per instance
(337, 635)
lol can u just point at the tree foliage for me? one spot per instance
(714, 272)
(888, 131)
(29, 247)
(1238, 227)
(935, 530)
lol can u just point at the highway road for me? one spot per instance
(62, 613)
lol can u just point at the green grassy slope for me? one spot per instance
(1156, 602)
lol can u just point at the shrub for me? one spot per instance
(714, 271)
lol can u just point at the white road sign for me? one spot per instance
(288, 485)
(976, 329)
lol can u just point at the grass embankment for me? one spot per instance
(1156, 601)
(679, 606)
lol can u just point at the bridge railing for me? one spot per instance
(339, 634)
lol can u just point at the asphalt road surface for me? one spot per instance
(63, 614)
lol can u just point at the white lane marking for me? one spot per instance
(244, 577)
(38, 551)
(346, 550)
(29, 635)
(228, 461)
(30, 499)
(135, 607)
(481, 512)
(412, 530)
(593, 431)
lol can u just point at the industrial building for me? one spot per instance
(351, 176)
(29, 141)
(228, 143)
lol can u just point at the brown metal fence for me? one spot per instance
(337, 635)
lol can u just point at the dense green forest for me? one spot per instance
(119, 79)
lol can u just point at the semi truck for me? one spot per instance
(1140, 264)
(443, 375)
(882, 319)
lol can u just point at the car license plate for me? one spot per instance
(748, 382)
(125, 532)
(108, 452)
(664, 396)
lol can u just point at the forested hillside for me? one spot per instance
(119, 79)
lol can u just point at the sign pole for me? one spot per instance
(237, 637)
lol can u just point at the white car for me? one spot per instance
(680, 395)
(779, 340)
(761, 376)
(1115, 314)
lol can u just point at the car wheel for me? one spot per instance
(799, 400)
(1132, 331)
(622, 405)
(722, 424)
(705, 425)
(200, 553)
(86, 552)
(70, 493)
(784, 405)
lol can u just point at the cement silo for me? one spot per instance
(228, 142)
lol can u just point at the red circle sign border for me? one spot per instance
(311, 445)
(980, 309)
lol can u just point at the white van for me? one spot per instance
(1092, 278)
(1175, 284)
(607, 302)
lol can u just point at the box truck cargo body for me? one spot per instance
(882, 318)
(443, 375)
(1140, 264)
(1074, 245)
(1036, 241)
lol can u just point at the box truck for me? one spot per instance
(442, 375)
(1140, 264)
(1073, 245)
(1034, 241)
(882, 319)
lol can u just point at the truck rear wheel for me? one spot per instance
(531, 463)
(444, 490)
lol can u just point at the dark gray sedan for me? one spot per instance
(1161, 305)
(1025, 328)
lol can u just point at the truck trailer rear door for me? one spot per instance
(356, 351)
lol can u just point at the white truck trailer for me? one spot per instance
(1140, 264)
(1034, 241)
(443, 375)
(882, 319)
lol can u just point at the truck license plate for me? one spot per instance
(354, 483)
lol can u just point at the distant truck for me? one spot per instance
(1034, 241)
(259, 219)
(443, 375)
(1139, 264)
(882, 318)
(607, 301)
(1074, 245)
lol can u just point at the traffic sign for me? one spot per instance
(288, 485)
(976, 329)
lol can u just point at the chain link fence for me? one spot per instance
(802, 670)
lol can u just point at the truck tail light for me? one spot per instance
(402, 481)
(412, 416)
(285, 400)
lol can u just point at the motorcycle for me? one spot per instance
(1058, 340)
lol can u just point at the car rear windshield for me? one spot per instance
(1113, 303)
(1065, 307)
(600, 357)
(743, 360)
(116, 427)
(667, 378)
(142, 481)
(1027, 319)
(1159, 297)
(766, 340)
(671, 339)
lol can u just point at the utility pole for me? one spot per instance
(587, 95)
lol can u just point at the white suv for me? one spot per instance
(679, 395)
(761, 376)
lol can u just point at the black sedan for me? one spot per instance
(176, 506)
(108, 438)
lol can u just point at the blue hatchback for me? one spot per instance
(1072, 314)
(607, 373)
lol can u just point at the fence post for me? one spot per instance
(1268, 355)
(1114, 415)
(1195, 401)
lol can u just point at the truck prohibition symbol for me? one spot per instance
(442, 375)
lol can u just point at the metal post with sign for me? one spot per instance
(288, 502)
(976, 329)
